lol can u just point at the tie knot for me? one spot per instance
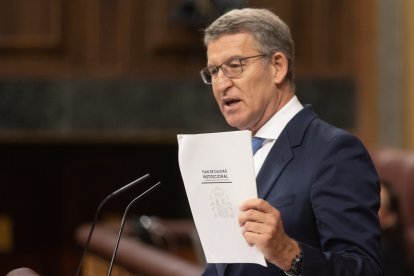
(257, 143)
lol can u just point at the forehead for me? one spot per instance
(228, 46)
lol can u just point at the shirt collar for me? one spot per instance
(275, 125)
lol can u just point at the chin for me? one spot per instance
(237, 125)
(237, 121)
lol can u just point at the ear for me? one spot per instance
(280, 65)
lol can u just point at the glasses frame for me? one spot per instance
(206, 69)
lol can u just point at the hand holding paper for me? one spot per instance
(218, 175)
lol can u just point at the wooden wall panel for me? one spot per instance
(322, 30)
(365, 70)
(30, 24)
(143, 40)
(108, 31)
(164, 34)
(129, 38)
(162, 46)
(44, 38)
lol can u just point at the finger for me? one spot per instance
(250, 243)
(257, 204)
(251, 215)
(252, 238)
(255, 227)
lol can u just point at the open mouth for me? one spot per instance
(231, 102)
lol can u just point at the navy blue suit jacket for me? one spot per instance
(326, 188)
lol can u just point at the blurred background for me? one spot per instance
(94, 92)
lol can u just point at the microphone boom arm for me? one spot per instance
(98, 211)
(123, 223)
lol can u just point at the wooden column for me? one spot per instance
(365, 71)
(408, 46)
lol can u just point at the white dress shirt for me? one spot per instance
(271, 130)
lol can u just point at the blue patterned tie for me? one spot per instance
(257, 143)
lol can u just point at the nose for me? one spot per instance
(222, 82)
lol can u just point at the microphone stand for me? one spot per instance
(123, 223)
(120, 190)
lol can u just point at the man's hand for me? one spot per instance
(263, 227)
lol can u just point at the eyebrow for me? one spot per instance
(227, 60)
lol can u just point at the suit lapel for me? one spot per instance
(221, 269)
(281, 152)
(281, 155)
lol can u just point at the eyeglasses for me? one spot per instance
(231, 69)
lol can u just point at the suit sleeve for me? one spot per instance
(345, 200)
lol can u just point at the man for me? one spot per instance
(318, 190)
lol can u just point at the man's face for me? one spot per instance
(249, 100)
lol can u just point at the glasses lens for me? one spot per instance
(206, 75)
(233, 68)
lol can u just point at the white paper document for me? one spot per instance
(218, 174)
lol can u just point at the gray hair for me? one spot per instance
(270, 32)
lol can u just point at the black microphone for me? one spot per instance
(120, 190)
(123, 223)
